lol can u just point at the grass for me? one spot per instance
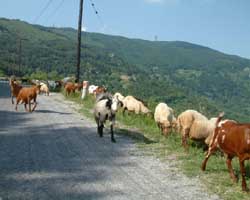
(147, 136)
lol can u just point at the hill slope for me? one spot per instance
(182, 74)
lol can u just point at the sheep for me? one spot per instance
(105, 109)
(14, 88)
(131, 104)
(164, 117)
(185, 121)
(44, 89)
(85, 86)
(26, 95)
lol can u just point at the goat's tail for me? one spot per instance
(221, 115)
(215, 133)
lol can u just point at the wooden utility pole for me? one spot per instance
(79, 43)
(19, 56)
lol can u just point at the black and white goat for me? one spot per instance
(105, 109)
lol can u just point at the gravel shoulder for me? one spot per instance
(55, 153)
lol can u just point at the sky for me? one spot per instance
(219, 24)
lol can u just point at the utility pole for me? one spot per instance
(79, 43)
(19, 56)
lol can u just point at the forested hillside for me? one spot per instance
(182, 74)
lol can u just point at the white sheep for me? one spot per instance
(185, 121)
(164, 118)
(131, 104)
(105, 109)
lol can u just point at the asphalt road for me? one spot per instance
(55, 153)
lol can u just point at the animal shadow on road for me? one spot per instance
(58, 162)
(135, 135)
(51, 111)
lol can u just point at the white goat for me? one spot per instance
(119, 96)
(164, 118)
(185, 121)
(132, 104)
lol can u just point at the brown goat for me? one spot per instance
(69, 88)
(26, 95)
(99, 90)
(14, 89)
(233, 139)
(78, 86)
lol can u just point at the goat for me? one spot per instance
(14, 89)
(26, 95)
(164, 118)
(233, 139)
(105, 109)
(69, 88)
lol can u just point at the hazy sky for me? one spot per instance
(223, 25)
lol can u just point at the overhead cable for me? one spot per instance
(43, 10)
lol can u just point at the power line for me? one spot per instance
(43, 10)
(55, 10)
(104, 26)
(96, 12)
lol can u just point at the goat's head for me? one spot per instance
(166, 127)
(38, 88)
(114, 105)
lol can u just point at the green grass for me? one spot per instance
(147, 136)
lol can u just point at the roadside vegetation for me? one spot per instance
(148, 137)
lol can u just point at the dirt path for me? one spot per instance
(55, 153)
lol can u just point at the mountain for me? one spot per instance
(182, 74)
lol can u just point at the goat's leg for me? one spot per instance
(160, 127)
(25, 106)
(34, 107)
(184, 138)
(230, 168)
(210, 151)
(243, 174)
(29, 102)
(12, 99)
(100, 130)
(124, 110)
(35, 104)
(112, 133)
(17, 102)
